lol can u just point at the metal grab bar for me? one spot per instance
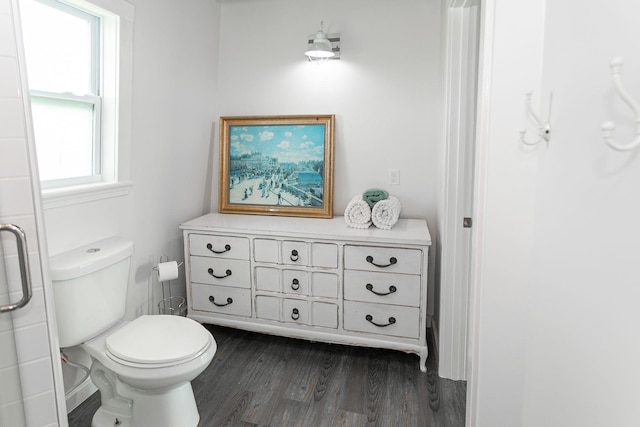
(23, 260)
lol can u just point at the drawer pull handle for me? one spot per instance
(369, 319)
(219, 277)
(213, 301)
(392, 260)
(295, 284)
(295, 314)
(294, 256)
(392, 289)
(227, 248)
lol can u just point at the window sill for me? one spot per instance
(58, 197)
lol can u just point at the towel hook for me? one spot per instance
(608, 127)
(543, 129)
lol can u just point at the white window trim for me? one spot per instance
(67, 196)
(117, 182)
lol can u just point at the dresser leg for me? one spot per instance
(423, 359)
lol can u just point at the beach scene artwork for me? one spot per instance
(277, 165)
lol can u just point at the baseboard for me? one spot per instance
(436, 336)
(80, 395)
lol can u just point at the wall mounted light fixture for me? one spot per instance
(322, 46)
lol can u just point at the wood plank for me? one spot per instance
(229, 413)
(262, 380)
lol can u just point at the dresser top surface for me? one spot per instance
(405, 231)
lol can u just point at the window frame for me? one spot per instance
(93, 98)
(116, 92)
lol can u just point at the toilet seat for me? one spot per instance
(157, 341)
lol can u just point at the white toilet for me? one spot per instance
(143, 368)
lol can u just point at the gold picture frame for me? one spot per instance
(277, 165)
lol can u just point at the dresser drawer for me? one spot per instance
(272, 279)
(291, 252)
(219, 246)
(266, 250)
(385, 288)
(324, 314)
(268, 279)
(394, 260)
(267, 307)
(382, 319)
(294, 253)
(282, 309)
(324, 285)
(295, 311)
(324, 255)
(217, 271)
(221, 299)
(295, 282)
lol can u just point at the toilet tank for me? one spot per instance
(90, 288)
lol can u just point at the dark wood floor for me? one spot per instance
(262, 380)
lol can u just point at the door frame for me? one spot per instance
(461, 70)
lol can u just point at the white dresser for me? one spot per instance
(315, 279)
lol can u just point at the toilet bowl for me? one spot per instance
(154, 359)
(154, 352)
(144, 367)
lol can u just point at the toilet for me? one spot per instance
(144, 367)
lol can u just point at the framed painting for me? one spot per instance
(277, 165)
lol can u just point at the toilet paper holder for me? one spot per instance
(172, 305)
(180, 264)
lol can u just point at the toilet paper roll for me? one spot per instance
(167, 271)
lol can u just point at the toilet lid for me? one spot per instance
(158, 340)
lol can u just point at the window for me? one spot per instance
(62, 45)
(77, 58)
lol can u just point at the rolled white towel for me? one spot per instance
(385, 213)
(357, 213)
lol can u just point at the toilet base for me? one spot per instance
(105, 417)
(170, 408)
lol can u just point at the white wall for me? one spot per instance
(384, 91)
(386, 106)
(174, 109)
(583, 316)
(556, 339)
(174, 76)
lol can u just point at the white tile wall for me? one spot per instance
(37, 377)
(12, 414)
(7, 36)
(13, 268)
(15, 150)
(39, 410)
(15, 196)
(32, 359)
(9, 77)
(33, 313)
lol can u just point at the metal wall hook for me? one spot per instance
(608, 127)
(543, 129)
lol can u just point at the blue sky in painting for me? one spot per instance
(287, 143)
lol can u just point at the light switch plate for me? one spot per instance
(394, 176)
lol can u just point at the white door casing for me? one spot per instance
(461, 47)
